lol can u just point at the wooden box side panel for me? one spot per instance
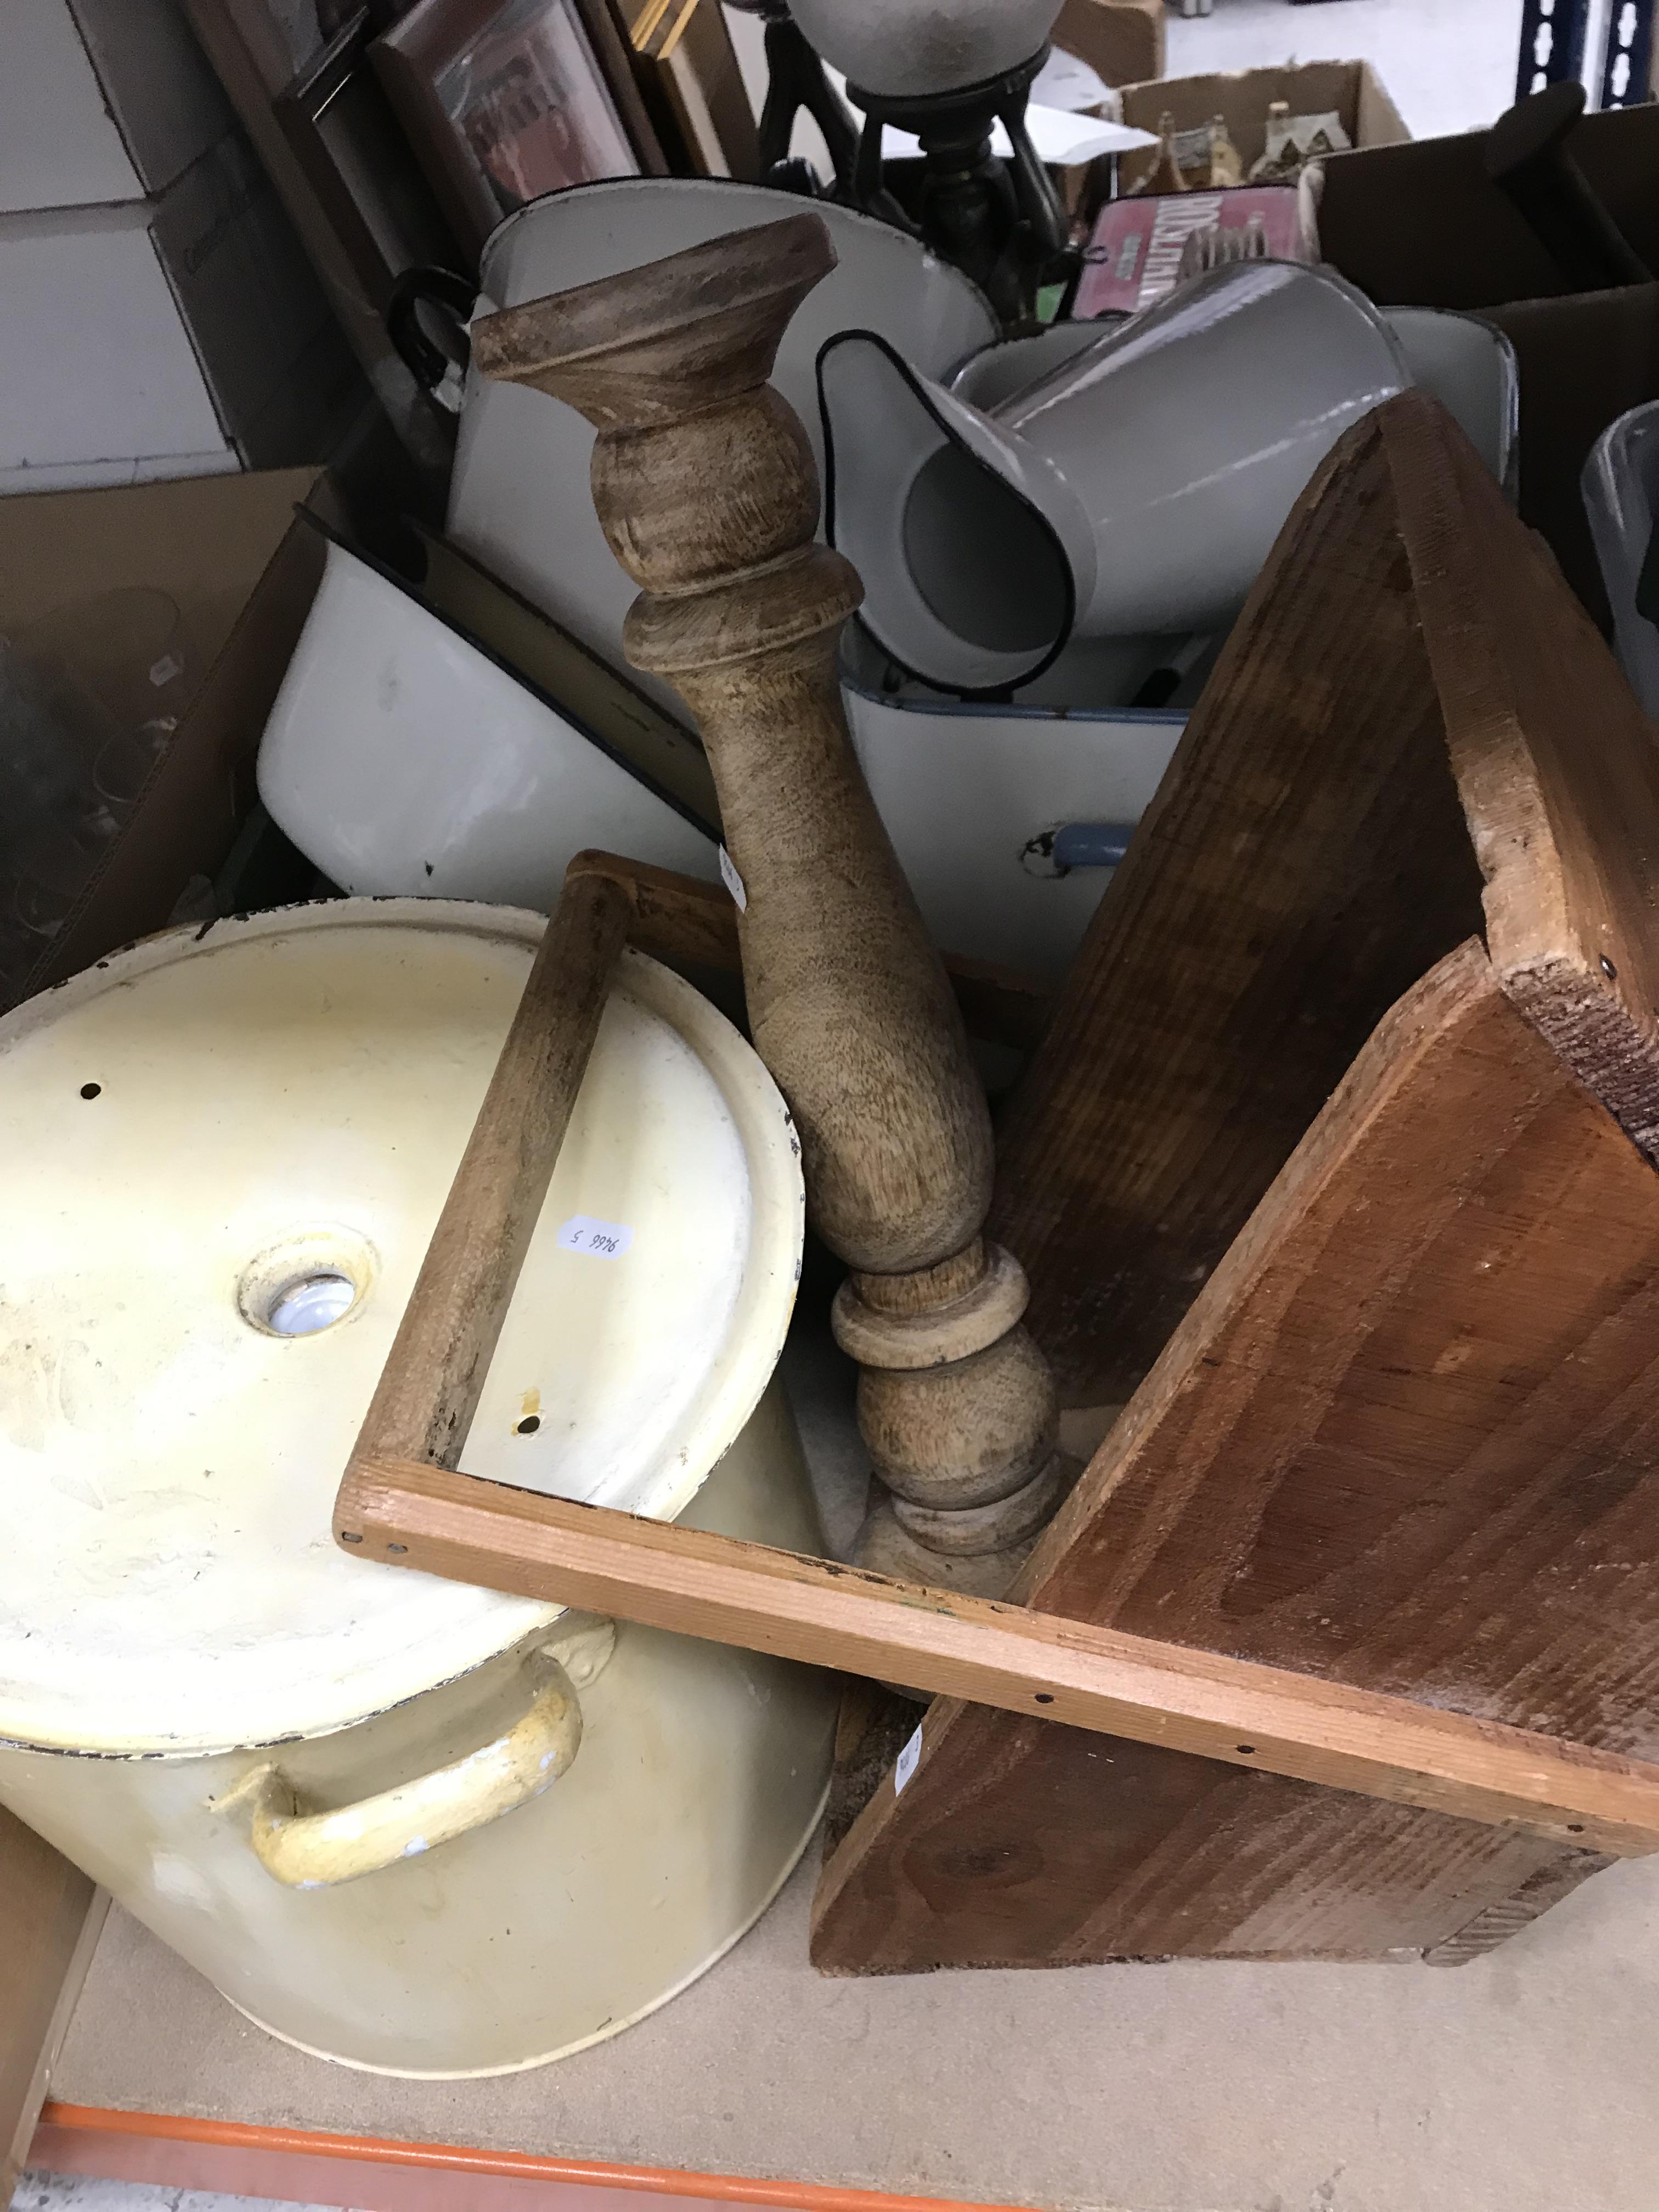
(1407, 1437)
(1557, 765)
(1037, 1846)
(1304, 864)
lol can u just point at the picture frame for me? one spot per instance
(366, 186)
(687, 70)
(504, 100)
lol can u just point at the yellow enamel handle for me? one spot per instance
(312, 1850)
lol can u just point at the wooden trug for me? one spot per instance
(1533, 1794)
(401, 1504)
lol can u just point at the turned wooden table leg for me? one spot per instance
(705, 486)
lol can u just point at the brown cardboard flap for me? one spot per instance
(1121, 39)
(1422, 225)
(244, 573)
(203, 540)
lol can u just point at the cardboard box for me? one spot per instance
(1422, 225)
(1121, 39)
(165, 100)
(283, 378)
(59, 146)
(1583, 362)
(102, 383)
(175, 336)
(1242, 98)
(243, 571)
(101, 101)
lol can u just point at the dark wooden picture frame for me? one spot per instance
(356, 159)
(505, 100)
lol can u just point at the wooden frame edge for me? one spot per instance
(402, 1502)
(403, 1513)
(241, 2156)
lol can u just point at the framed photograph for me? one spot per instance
(504, 100)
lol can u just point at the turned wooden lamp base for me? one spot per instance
(705, 486)
(960, 1412)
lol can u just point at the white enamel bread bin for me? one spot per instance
(411, 1826)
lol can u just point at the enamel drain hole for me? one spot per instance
(309, 1283)
(309, 1303)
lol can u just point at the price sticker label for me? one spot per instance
(908, 1759)
(605, 1240)
(733, 881)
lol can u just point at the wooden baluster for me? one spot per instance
(705, 486)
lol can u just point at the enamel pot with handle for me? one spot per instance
(406, 1823)
(520, 498)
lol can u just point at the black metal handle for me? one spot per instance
(451, 296)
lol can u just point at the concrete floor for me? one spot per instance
(1525, 2083)
(57, 2192)
(1522, 2083)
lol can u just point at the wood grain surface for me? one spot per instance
(681, 918)
(1406, 1437)
(1557, 765)
(1256, 1716)
(428, 1389)
(1304, 862)
(705, 486)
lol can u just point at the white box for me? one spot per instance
(95, 362)
(59, 145)
(166, 103)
